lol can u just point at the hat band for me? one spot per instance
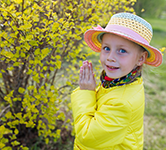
(132, 34)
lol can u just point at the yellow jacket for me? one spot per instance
(109, 119)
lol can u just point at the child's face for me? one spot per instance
(120, 56)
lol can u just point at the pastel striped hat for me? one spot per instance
(128, 26)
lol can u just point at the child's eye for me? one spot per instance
(122, 51)
(106, 48)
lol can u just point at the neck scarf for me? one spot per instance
(129, 78)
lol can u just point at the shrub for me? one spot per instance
(41, 50)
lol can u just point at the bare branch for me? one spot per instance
(63, 87)
(1, 92)
(9, 42)
(3, 111)
(53, 78)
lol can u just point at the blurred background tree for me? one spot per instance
(41, 49)
(150, 8)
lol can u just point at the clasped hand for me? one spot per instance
(87, 79)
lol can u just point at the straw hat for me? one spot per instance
(128, 26)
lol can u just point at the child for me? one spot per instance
(111, 116)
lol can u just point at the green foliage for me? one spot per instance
(40, 55)
(152, 8)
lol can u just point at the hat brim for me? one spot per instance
(92, 39)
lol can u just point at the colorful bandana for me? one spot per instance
(129, 78)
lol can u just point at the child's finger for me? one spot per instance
(91, 67)
(84, 62)
(91, 73)
(93, 76)
(87, 72)
(81, 73)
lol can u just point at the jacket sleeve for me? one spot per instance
(99, 128)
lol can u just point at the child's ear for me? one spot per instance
(142, 58)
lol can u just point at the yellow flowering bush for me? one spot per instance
(41, 50)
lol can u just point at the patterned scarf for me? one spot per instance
(129, 78)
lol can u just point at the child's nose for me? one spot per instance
(111, 56)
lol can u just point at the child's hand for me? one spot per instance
(87, 80)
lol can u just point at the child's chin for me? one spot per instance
(113, 77)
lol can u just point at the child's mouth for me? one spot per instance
(112, 68)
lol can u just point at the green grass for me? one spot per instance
(155, 87)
